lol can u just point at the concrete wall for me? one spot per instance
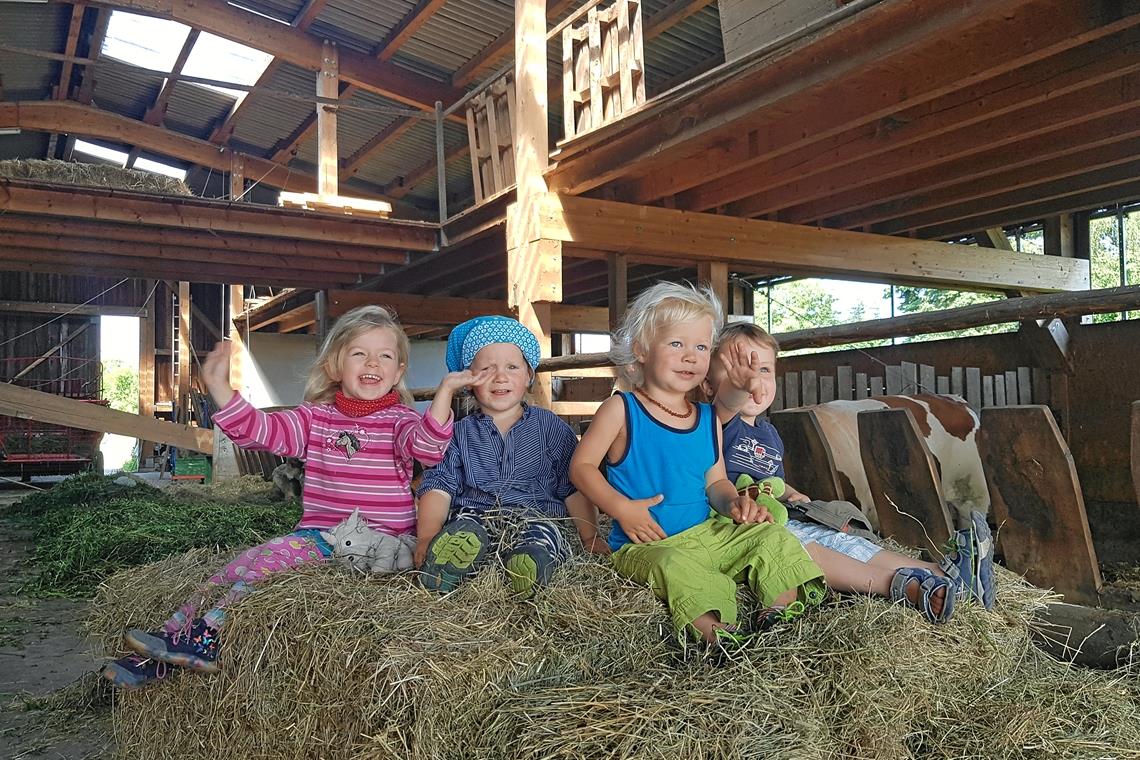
(280, 363)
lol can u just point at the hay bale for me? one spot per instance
(322, 664)
(92, 175)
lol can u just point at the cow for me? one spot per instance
(947, 425)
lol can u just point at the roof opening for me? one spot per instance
(104, 155)
(157, 167)
(223, 60)
(152, 43)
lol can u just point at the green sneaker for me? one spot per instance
(455, 553)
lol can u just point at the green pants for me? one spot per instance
(696, 571)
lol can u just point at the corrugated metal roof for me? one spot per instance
(194, 109)
(41, 27)
(458, 32)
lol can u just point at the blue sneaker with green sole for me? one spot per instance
(455, 553)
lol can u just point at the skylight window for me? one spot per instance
(108, 155)
(217, 58)
(158, 168)
(152, 43)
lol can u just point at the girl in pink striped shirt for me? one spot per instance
(358, 437)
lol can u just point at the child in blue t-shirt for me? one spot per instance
(743, 381)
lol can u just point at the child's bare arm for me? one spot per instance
(431, 514)
(585, 516)
(791, 494)
(585, 473)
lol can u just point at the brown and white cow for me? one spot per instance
(949, 427)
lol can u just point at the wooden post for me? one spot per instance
(328, 83)
(441, 166)
(1136, 449)
(237, 177)
(185, 349)
(534, 265)
(715, 274)
(146, 369)
(322, 308)
(618, 287)
(227, 457)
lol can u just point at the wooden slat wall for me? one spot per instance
(1020, 385)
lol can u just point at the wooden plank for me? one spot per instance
(861, 386)
(894, 379)
(809, 387)
(957, 381)
(28, 404)
(71, 309)
(1136, 448)
(618, 285)
(778, 402)
(1040, 386)
(987, 391)
(877, 388)
(974, 388)
(586, 372)
(146, 366)
(1037, 500)
(826, 389)
(65, 339)
(903, 478)
(328, 80)
(185, 353)
(575, 408)
(942, 383)
(1011, 396)
(808, 461)
(791, 390)
(597, 114)
(926, 379)
(909, 371)
(999, 390)
(844, 383)
(615, 226)
(1024, 390)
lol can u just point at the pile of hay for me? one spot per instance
(92, 175)
(319, 663)
(89, 527)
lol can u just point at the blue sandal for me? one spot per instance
(928, 585)
(971, 564)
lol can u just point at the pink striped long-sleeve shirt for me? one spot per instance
(351, 463)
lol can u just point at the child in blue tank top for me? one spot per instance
(679, 525)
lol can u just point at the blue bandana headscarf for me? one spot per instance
(466, 340)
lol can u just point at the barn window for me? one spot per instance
(152, 43)
(215, 58)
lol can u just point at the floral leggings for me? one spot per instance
(251, 566)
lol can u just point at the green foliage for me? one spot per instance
(121, 386)
(1104, 255)
(914, 300)
(89, 527)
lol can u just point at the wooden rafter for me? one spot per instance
(95, 49)
(302, 21)
(63, 88)
(156, 113)
(298, 47)
(75, 118)
(740, 116)
(97, 204)
(406, 29)
(622, 227)
(403, 185)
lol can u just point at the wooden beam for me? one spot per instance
(46, 227)
(156, 113)
(44, 357)
(298, 47)
(407, 28)
(744, 115)
(617, 266)
(89, 121)
(27, 404)
(71, 309)
(302, 21)
(18, 196)
(146, 366)
(715, 275)
(1054, 305)
(185, 352)
(622, 227)
(94, 50)
(63, 88)
(415, 309)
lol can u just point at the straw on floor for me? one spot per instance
(320, 663)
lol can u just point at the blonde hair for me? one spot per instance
(321, 388)
(747, 331)
(661, 306)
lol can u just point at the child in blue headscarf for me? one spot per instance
(504, 484)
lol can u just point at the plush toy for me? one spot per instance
(767, 493)
(358, 547)
(289, 478)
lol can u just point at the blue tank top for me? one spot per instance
(663, 460)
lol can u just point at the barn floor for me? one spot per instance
(42, 650)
